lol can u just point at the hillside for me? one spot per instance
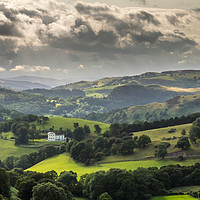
(8, 114)
(62, 93)
(104, 95)
(140, 95)
(181, 78)
(141, 157)
(24, 102)
(178, 106)
(7, 147)
(67, 123)
(65, 163)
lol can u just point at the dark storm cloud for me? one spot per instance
(49, 33)
(89, 9)
(145, 16)
(173, 20)
(73, 57)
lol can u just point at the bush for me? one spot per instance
(180, 158)
(172, 130)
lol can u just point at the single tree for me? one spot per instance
(143, 140)
(183, 143)
(87, 129)
(97, 128)
(194, 133)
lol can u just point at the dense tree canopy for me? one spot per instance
(195, 131)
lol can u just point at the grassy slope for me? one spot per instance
(177, 197)
(65, 163)
(65, 123)
(99, 91)
(7, 148)
(176, 107)
(156, 136)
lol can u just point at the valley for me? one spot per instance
(121, 124)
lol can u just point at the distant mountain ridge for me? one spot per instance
(50, 82)
(179, 78)
(21, 85)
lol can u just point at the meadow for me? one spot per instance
(64, 163)
(67, 123)
(7, 148)
(156, 136)
(99, 92)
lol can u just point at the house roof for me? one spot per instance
(55, 134)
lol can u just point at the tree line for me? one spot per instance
(116, 184)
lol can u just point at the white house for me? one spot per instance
(53, 137)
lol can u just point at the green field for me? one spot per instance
(176, 197)
(99, 92)
(7, 148)
(65, 163)
(65, 123)
(156, 136)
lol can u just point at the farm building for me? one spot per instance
(54, 137)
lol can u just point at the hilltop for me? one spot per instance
(180, 78)
(68, 123)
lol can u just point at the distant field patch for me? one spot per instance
(176, 197)
(177, 89)
(169, 78)
(65, 163)
(99, 92)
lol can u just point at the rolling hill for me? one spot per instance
(7, 147)
(181, 78)
(67, 123)
(175, 107)
(141, 157)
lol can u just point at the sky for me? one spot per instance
(88, 40)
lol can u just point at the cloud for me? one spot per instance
(91, 26)
(27, 68)
(39, 33)
(81, 67)
(2, 69)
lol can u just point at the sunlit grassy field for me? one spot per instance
(7, 148)
(156, 136)
(65, 163)
(99, 91)
(65, 123)
(177, 197)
